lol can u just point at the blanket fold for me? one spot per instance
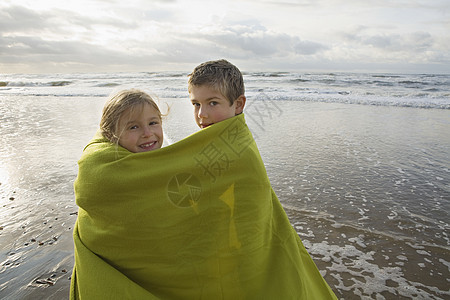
(195, 220)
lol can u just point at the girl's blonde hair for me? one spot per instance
(116, 105)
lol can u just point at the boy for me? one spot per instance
(216, 89)
(260, 255)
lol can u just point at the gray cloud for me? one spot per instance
(37, 50)
(15, 18)
(385, 39)
(23, 44)
(257, 41)
(19, 20)
(411, 42)
(309, 47)
(140, 35)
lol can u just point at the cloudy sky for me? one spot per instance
(41, 36)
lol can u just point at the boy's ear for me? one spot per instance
(240, 103)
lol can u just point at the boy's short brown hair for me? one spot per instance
(220, 75)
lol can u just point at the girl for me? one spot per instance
(132, 120)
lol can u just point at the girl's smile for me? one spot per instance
(140, 129)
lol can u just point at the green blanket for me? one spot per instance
(194, 220)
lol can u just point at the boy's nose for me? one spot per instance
(202, 113)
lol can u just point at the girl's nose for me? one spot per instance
(147, 131)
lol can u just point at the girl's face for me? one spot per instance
(140, 129)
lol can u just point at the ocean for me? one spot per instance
(419, 91)
(360, 162)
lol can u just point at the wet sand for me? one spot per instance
(42, 139)
(36, 251)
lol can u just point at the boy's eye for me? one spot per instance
(196, 104)
(213, 103)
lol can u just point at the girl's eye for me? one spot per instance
(153, 123)
(196, 104)
(133, 127)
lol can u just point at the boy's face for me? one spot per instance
(141, 129)
(210, 106)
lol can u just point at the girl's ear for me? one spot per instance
(240, 103)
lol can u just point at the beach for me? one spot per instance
(364, 178)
